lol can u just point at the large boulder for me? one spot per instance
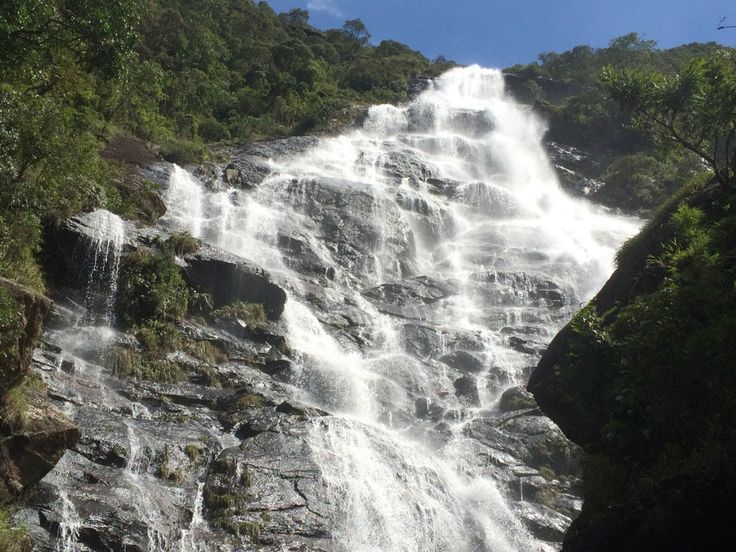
(230, 279)
(30, 451)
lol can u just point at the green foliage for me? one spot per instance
(637, 171)
(12, 538)
(151, 288)
(182, 243)
(641, 182)
(252, 314)
(179, 73)
(693, 109)
(11, 328)
(125, 362)
(656, 374)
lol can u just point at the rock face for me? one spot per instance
(229, 279)
(382, 314)
(33, 434)
(29, 310)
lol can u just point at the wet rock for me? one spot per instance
(277, 149)
(544, 522)
(229, 279)
(467, 387)
(29, 452)
(421, 341)
(246, 172)
(520, 288)
(268, 491)
(341, 214)
(516, 398)
(405, 164)
(409, 298)
(72, 248)
(463, 361)
(526, 346)
(421, 407)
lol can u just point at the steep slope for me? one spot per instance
(643, 380)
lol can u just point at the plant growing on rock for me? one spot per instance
(152, 287)
(253, 314)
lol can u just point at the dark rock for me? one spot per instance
(246, 172)
(417, 85)
(516, 398)
(526, 346)
(230, 279)
(463, 361)
(467, 387)
(421, 407)
(28, 453)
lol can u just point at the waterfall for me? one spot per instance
(107, 237)
(450, 198)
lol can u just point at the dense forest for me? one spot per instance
(177, 73)
(638, 171)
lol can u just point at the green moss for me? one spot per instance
(194, 452)
(125, 362)
(249, 401)
(157, 337)
(205, 351)
(252, 314)
(14, 410)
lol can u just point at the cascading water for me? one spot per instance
(443, 229)
(107, 237)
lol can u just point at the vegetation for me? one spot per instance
(178, 73)
(12, 538)
(253, 314)
(694, 109)
(575, 88)
(656, 375)
(151, 288)
(10, 328)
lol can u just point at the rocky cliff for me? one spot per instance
(33, 434)
(643, 380)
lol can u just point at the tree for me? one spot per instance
(694, 109)
(357, 30)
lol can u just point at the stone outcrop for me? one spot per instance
(33, 434)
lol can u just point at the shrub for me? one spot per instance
(252, 314)
(151, 287)
(10, 327)
(12, 538)
(183, 243)
(157, 337)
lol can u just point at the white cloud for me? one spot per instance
(327, 6)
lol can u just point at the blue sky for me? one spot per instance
(499, 33)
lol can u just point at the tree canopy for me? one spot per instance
(694, 109)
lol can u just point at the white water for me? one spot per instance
(107, 240)
(501, 212)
